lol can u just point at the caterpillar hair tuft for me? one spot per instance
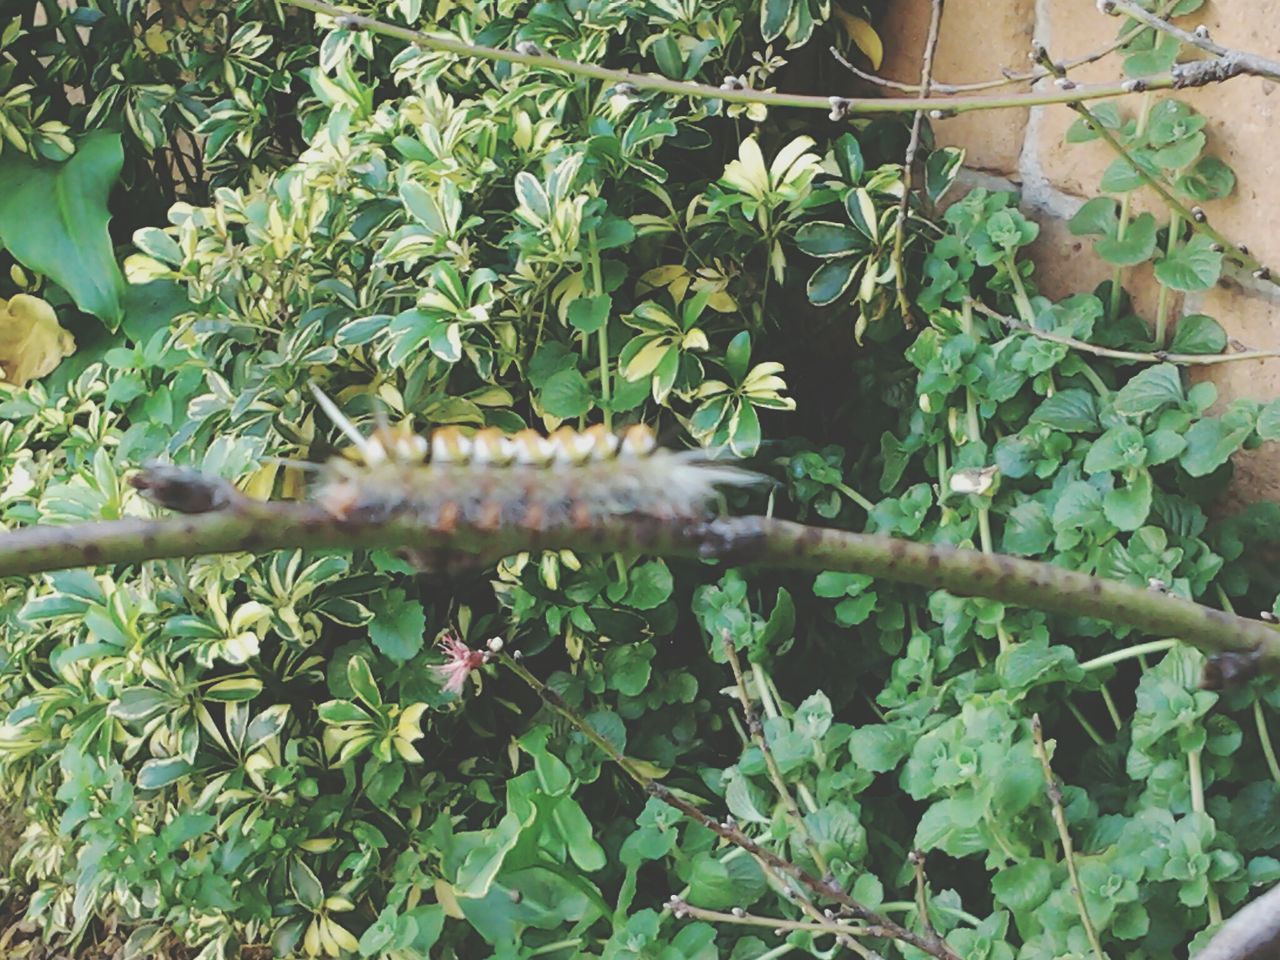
(488, 479)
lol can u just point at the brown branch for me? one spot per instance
(1252, 934)
(729, 831)
(1182, 359)
(246, 525)
(908, 165)
(841, 106)
(1250, 63)
(1010, 77)
(1064, 835)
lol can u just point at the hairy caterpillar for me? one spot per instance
(489, 479)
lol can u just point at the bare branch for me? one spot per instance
(1249, 63)
(1252, 934)
(254, 526)
(855, 106)
(1182, 359)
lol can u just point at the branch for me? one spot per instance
(1183, 359)
(1010, 77)
(729, 831)
(1252, 934)
(246, 525)
(908, 164)
(1248, 62)
(1195, 217)
(1182, 76)
(1064, 836)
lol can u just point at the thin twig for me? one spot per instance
(908, 165)
(833, 926)
(1010, 77)
(1064, 835)
(1250, 62)
(727, 830)
(922, 889)
(246, 525)
(1198, 223)
(860, 106)
(756, 730)
(1158, 356)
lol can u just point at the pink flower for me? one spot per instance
(461, 661)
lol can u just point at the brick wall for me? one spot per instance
(1024, 150)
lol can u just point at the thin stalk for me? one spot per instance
(1264, 738)
(1195, 776)
(1126, 201)
(1162, 299)
(1020, 298)
(597, 287)
(854, 106)
(1111, 708)
(1128, 653)
(1084, 722)
(1064, 836)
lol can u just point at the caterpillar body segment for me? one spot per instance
(488, 479)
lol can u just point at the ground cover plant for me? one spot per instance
(334, 753)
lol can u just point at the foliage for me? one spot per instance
(255, 750)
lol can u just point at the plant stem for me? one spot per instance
(1088, 727)
(1195, 776)
(728, 831)
(1128, 653)
(597, 287)
(1126, 201)
(1162, 299)
(1264, 737)
(756, 728)
(1020, 298)
(1064, 836)
(1180, 76)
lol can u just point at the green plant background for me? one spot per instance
(235, 751)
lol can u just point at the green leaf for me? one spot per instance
(715, 884)
(53, 220)
(1024, 887)
(155, 774)
(1129, 506)
(1098, 216)
(1120, 448)
(1150, 390)
(649, 585)
(1072, 411)
(589, 314)
(306, 886)
(831, 280)
(941, 170)
(362, 683)
(774, 15)
(1209, 179)
(1210, 444)
(822, 238)
(566, 394)
(1194, 266)
(737, 356)
(1198, 333)
(1137, 245)
(1269, 421)
(398, 625)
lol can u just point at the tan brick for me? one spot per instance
(992, 140)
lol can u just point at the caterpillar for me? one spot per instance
(489, 479)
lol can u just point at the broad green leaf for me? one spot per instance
(1073, 411)
(566, 394)
(589, 314)
(1127, 507)
(1150, 390)
(1210, 443)
(53, 220)
(1097, 216)
(822, 238)
(1197, 333)
(155, 774)
(1137, 245)
(398, 625)
(1194, 266)
(832, 279)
